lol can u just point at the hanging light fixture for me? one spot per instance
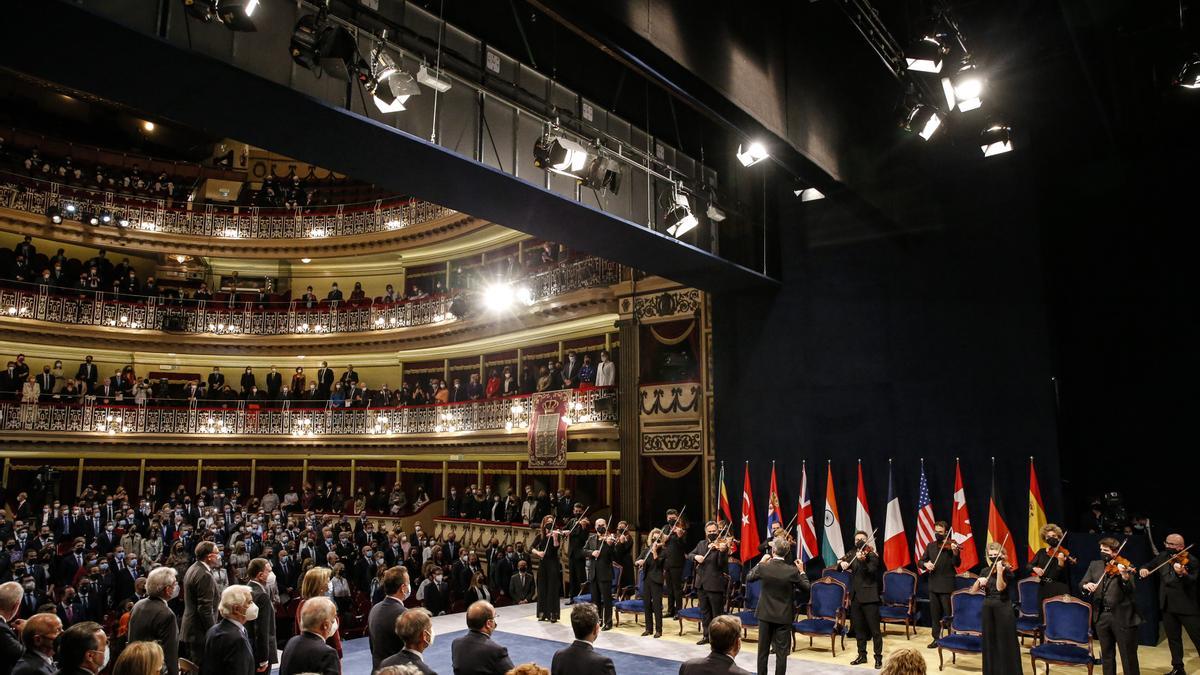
(923, 120)
(389, 84)
(996, 140)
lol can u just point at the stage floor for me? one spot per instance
(528, 640)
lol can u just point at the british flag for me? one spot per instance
(925, 518)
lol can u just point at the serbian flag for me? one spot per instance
(749, 543)
(832, 548)
(1037, 512)
(997, 527)
(774, 515)
(862, 514)
(723, 496)
(967, 556)
(895, 542)
(806, 533)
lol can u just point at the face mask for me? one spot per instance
(859, 543)
(174, 591)
(1052, 541)
(333, 630)
(271, 579)
(430, 631)
(29, 586)
(940, 536)
(437, 578)
(252, 612)
(1106, 556)
(711, 537)
(106, 656)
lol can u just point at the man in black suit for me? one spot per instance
(521, 587)
(775, 610)
(674, 550)
(1176, 597)
(261, 631)
(39, 634)
(152, 620)
(89, 373)
(710, 577)
(415, 631)
(216, 379)
(324, 380)
(940, 560)
(381, 622)
(576, 556)
(31, 597)
(1116, 615)
(11, 648)
(863, 565)
(308, 652)
(227, 649)
(274, 383)
(725, 635)
(476, 653)
(578, 658)
(82, 649)
(199, 599)
(599, 548)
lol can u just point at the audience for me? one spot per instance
(83, 649)
(227, 649)
(39, 636)
(11, 648)
(415, 631)
(309, 652)
(725, 641)
(476, 653)
(579, 658)
(152, 618)
(140, 658)
(381, 622)
(904, 661)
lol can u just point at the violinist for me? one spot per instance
(1052, 564)
(940, 560)
(1110, 581)
(675, 548)
(623, 555)
(1176, 569)
(549, 574)
(599, 549)
(576, 557)
(1001, 650)
(777, 532)
(863, 564)
(710, 577)
(652, 564)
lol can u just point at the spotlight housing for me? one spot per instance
(714, 213)
(807, 193)
(427, 77)
(235, 14)
(54, 214)
(1189, 74)
(323, 46)
(753, 154)
(923, 120)
(560, 155)
(996, 140)
(201, 10)
(926, 54)
(389, 85)
(602, 173)
(964, 88)
(90, 219)
(679, 217)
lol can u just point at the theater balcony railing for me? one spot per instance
(135, 212)
(288, 419)
(97, 308)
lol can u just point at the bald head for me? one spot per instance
(10, 599)
(1175, 542)
(481, 616)
(40, 631)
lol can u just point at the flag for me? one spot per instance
(774, 515)
(723, 496)
(968, 558)
(832, 548)
(749, 538)
(806, 533)
(895, 542)
(997, 527)
(1037, 512)
(925, 517)
(862, 514)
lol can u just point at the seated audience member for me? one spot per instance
(83, 649)
(904, 661)
(476, 653)
(415, 631)
(308, 651)
(39, 636)
(725, 641)
(579, 658)
(140, 658)
(227, 649)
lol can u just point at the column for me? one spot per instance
(142, 477)
(445, 479)
(253, 475)
(353, 475)
(628, 422)
(199, 476)
(79, 478)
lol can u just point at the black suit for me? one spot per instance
(713, 664)
(941, 582)
(33, 664)
(577, 560)
(1177, 600)
(864, 603)
(674, 550)
(477, 654)
(274, 384)
(710, 580)
(1116, 618)
(11, 648)
(261, 631)
(578, 658)
(308, 653)
(215, 382)
(602, 574)
(408, 658)
(152, 620)
(381, 630)
(521, 587)
(227, 651)
(775, 611)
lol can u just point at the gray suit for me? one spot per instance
(407, 658)
(381, 627)
(200, 601)
(775, 611)
(713, 664)
(153, 621)
(261, 631)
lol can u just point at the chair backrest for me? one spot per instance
(827, 596)
(841, 576)
(1068, 620)
(967, 607)
(616, 574)
(689, 567)
(641, 584)
(753, 589)
(899, 587)
(964, 580)
(734, 570)
(1027, 592)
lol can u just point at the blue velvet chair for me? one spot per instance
(841, 576)
(694, 614)
(635, 605)
(1029, 621)
(899, 601)
(687, 593)
(749, 620)
(966, 626)
(616, 581)
(826, 613)
(964, 581)
(1066, 634)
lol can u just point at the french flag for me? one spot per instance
(895, 542)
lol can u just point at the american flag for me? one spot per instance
(924, 516)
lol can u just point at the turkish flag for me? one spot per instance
(749, 538)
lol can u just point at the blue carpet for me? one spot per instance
(356, 659)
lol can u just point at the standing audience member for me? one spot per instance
(316, 584)
(381, 622)
(578, 658)
(309, 652)
(140, 658)
(227, 648)
(152, 620)
(476, 653)
(83, 649)
(415, 631)
(261, 630)
(725, 641)
(11, 648)
(39, 635)
(200, 600)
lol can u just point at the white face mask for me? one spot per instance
(333, 630)
(252, 612)
(430, 631)
(107, 654)
(174, 592)
(271, 579)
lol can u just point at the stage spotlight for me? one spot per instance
(54, 214)
(923, 120)
(963, 88)
(235, 14)
(807, 194)
(996, 140)
(752, 155)
(321, 45)
(560, 155)
(427, 78)
(1189, 75)
(498, 297)
(389, 85)
(714, 213)
(602, 173)
(679, 217)
(201, 10)
(925, 55)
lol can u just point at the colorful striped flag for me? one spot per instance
(806, 533)
(925, 519)
(774, 515)
(723, 496)
(832, 548)
(1037, 513)
(895, 541)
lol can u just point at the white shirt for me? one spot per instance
(606, 373)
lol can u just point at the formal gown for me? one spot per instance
(549, 580)
(1001, 651)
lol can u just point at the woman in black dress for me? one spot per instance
(1001, 651)
(1052, 565)
(549, 573)
(623, 555)
(652, 563)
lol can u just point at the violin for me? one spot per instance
(1111, 567)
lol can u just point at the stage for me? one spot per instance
(528, 640)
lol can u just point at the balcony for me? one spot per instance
(182, 418)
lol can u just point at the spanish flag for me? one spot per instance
(1037, 512)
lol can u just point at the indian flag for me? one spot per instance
(832, 548)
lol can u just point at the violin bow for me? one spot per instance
(1054, 554)
(650, 544)
(950, 536)
(1173, 557)
(1003, 558)
(712, 547)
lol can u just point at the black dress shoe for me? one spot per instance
(607, 626)
(878, 662)
(702, 641)
(862, 658)
(647, 632)
(658, 634)
(932, 645)
(1177, 670)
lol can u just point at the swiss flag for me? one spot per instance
(961, 524)
(749, 538)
